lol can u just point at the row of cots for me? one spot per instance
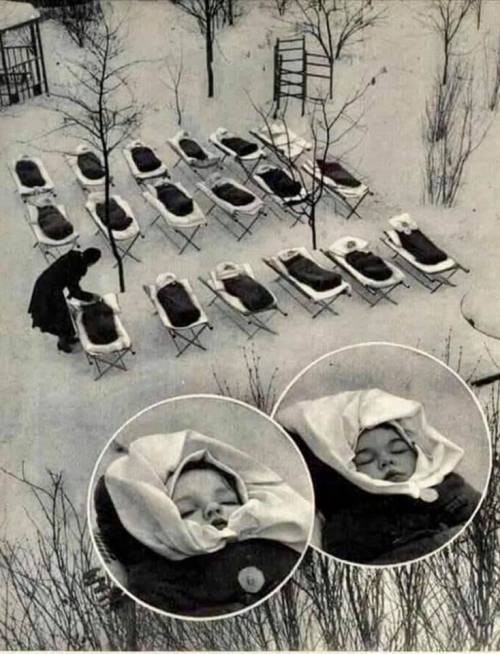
(175, 207)
(251, 305)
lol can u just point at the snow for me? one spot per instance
(55, 415)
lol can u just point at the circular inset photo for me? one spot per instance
(397, 446)
(200, 507)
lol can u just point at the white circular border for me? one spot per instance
(415, 350)
(90, 495)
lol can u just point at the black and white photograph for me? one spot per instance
(206, 518)
(209, 198)
(396, 476)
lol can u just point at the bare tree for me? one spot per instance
(329, 125)
(453, 129)
(259, 392)
(78, 18)
(174, 85)
(206, 13)
(335, 24)
(446, 18)
(99, 107)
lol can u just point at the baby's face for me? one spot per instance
(381, 453)
(205, 497)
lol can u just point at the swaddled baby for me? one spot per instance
(200, 526)
(384, 478)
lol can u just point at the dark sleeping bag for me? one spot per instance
(99, 322)
(53, 224)
(306, 271)
(192, 149)
(178, 305)
(369, 265)
(89, 164)
(251, 294)
(174, 199)
(209, 584)
(238, 145)
(29, 173)
(233, 194)
(422, 248)
(337, 173)
(118, 219)
(145, 159)
(281, 184)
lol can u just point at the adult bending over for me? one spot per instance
(48, 307)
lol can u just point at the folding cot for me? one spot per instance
(282, 141)
(242, 315)
(217, 187)
(31, 177)
(103, 356)
(280, 186)
(437, 271)
(172, 318)
(337, 181)
(143, 162)
(178, 211)
(323, 299)
(370, 289)
(191, 152)
(61, 237)
(88, 167)
(124, 238)
(246, 153)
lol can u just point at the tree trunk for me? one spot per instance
(114, 249)
(209, 42)
(446, 59)
(230, 11)
(312, 225)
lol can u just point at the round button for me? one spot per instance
(429, 495)
(251, 579)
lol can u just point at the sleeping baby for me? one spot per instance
(200, 527)
(384, 478)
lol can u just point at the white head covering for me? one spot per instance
(141, 484)
(331, 426)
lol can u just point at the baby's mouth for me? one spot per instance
(219, 523)
(394, 475)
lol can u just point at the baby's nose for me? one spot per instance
(212, 509)
(385, 460)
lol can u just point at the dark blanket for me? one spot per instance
(29, 173)
(192, 149)
(233, 194)
(178, 304)
(422, 248)
(118, 219)
(47, 307)
(201, 585)
(251, 294)
(98, 319)
(145, 159)
(365, 528)
(89, 164)
(369, 265)
(53, 224)
(337, 173)
(174, 199)
(238, 145)
(308, 272)
(281, 184)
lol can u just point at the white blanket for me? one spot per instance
(331, 426)
(141, 484)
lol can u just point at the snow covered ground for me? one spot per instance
(54, 414)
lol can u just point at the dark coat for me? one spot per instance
(204, 585)
(366, 528)
(47, 306)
